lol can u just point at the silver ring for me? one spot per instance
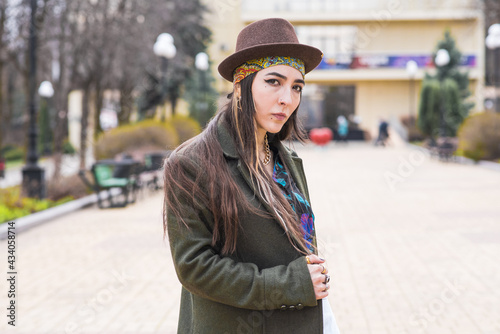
(327, 278)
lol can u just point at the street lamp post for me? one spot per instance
(165, 49)
(411, 69)
(493, 43)
(201, 64)
(33, 175)
(46, 91)
(442, 59)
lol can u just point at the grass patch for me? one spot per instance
(13, 205)
(420, 143)
(14, 163)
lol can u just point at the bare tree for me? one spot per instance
(491, 12)
(97, 45)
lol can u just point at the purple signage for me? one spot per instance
(343, 62)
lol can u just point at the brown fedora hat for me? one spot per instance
(265, 38)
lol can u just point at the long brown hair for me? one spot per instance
(215, 190)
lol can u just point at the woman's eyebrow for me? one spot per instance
(279, 75)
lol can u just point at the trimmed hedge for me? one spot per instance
(12, 153)
(149, 133)
(186, 127)
(479, 136)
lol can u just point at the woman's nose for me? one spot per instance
(286, 97)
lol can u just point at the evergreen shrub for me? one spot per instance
(68, 148)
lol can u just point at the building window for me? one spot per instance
(334, 41)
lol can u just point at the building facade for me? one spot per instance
(367, 45)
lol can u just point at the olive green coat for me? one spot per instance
(264, 287)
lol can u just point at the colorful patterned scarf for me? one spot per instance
(255, 65)
(297, 201)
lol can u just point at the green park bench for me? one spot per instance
(111, 174)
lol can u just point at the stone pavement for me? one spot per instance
(412, 245)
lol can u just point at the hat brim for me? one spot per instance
(310, 55)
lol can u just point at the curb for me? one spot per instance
(463, 160)
(27, 222)
(490, 165)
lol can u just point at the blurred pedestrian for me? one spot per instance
(342, 128)
(237, 210)
(383, 133)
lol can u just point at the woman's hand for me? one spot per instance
(319, 275)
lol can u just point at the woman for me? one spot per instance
(237, 211)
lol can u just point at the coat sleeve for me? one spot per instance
(203, 271)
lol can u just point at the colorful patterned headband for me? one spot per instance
(255, 65)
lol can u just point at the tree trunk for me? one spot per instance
(59, 133)
(11, 88)
(174, 95)
(126, 105)
(85, 123)
(3, 124)
(61, 100)
(26, 118)
(6, 113)
(97, 108)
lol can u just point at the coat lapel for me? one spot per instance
(230, 151)
(293, 163)
(290, 159)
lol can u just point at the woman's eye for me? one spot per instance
(272, 81)
(298, 88)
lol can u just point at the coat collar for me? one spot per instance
(226, 140)
(291, 160)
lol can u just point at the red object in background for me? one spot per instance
(321, 136)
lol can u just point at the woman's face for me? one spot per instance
(276, 94)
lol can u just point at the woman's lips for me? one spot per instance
(280, 116)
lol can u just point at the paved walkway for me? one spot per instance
(413, 245)
(14, 176)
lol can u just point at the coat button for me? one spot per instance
(292, 307)
(283, 307)
(300, 306)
